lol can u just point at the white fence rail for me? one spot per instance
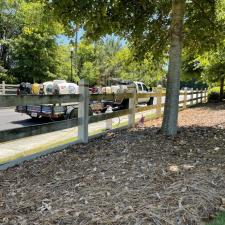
(8, 89)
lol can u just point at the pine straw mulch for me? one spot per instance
(130, 177)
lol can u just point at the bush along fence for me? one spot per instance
(189, 98)
(8, 89)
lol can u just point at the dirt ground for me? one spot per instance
(130, 177)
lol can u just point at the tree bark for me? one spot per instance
(170, 117)
(221, 88)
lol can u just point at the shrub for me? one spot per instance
(214, 94)
(213, 97)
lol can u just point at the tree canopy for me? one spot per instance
(29, 50)
(156, 32)
(213, 64)
(157, 27)
(107, 59)
(145, 24)
(28, 45)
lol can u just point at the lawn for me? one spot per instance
(220, 220)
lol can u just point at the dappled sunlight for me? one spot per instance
(174, 168)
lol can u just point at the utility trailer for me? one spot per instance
(68, 111)
(51, 111)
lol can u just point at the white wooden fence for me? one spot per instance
(8, 89)
(189, 98)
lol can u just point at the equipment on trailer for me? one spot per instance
(65, 111)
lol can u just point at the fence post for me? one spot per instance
(83, 111)
(192, 96)
(158, 100)
(205, 95)
(132, 107)
(109, 121)
(197, 96)
(201, 96)
(3, 87)
(109, 124)
(185, 98)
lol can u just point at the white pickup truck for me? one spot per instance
(142, 89)
(122, 87)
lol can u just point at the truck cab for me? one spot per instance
(142, 89)
(124, 102)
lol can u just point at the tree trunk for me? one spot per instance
(221, 88)
(170, 117)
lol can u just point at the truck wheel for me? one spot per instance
(74, 113)
(125, 104)
(150, 102)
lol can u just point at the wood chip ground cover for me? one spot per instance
(135, 176)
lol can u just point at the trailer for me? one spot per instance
(69, 111)
(51, 111)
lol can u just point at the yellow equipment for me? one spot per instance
(35, 89)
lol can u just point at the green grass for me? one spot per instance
(96, 132)
(220, 220)
(119, 124)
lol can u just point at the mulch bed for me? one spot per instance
(130, 177)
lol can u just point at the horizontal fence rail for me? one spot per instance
(22, 132)
(9, 100)
(110, 97)
(106, 116)
(83, 100)
(9, 89)
(144, 95)
(145, 108)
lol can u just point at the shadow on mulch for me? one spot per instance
(133, 176)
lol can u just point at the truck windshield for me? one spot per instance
(145, 88)
(139, 87)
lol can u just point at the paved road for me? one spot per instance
(10, 119)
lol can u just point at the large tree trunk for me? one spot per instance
(169, 125)
(221, 88)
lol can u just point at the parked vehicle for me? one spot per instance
(142, 89)
(68, 111)
(123, 87)
(52, 111)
